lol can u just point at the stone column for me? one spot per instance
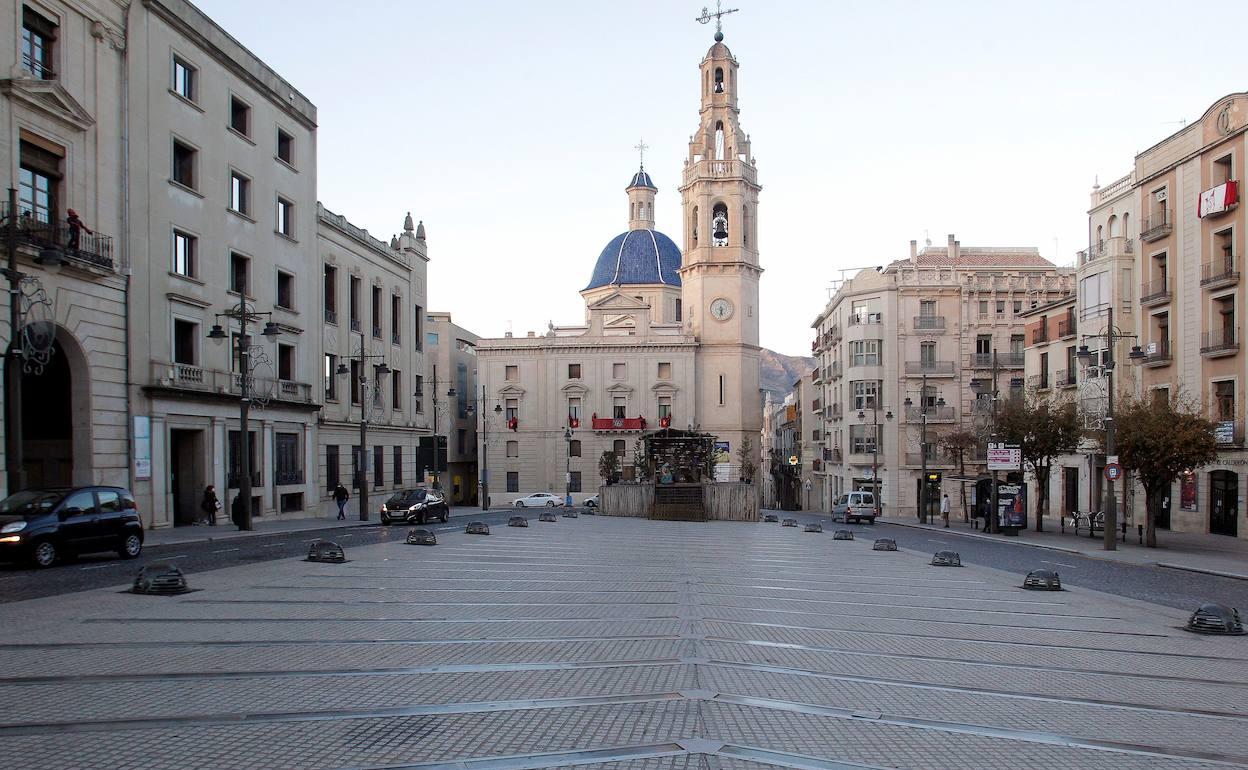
(266, 464)
(162, 494)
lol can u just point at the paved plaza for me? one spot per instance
(616, 643)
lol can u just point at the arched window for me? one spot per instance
(1113, 226)
(719, 140)
(693, 226)
(1100, 236)
(719, 225)
(745, 225)
(719, 80)
(1126, 225)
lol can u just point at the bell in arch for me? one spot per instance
(720, 233)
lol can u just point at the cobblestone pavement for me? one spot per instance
(616, 644)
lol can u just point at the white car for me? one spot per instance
(591, 502)
(537, 500)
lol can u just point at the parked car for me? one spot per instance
(415, 506)
(591, 502)
(537, 500)
(854, 507)
(43, 525)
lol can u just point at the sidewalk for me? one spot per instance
(227, 531)
(1192, 552)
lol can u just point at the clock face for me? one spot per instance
(721, 309)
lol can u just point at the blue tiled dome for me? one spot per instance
(642, 179)
(637, 256)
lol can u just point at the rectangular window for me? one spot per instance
(397, 470)
(513, 481)
(927, 308)
(618, 405)
(865, 352)
(983, 307)
(40, 177)
(396, 319)
(183, 171)
(379, 466)
(512, 409)
(721, 390)
(184, 253)
(927, 353)
(420, 394)
(355, 382)
(418, 317)
(331, 294)
(378, 393)
(331, 467)
(574, 409)
(864, 393)
(356, 466)
(331, 377)
(678, 311)
(574, 482)
(184, 77)
(38, 41)
(285, 290)
(235, 459)
(285, 217)
(185, 342)
(240, 115)
(983, 347)
(1018, 306)
(240, 193)
(240, 267)
(1224, 399)
(511, 373)
(461, 441)
(618, 371)
(574, 371)
(285, 362)
(287, 467)
(285, 147)
(377, 312)
(513, 448)
(462, 391)
(1017, 342)
(665, 407)
(353, 304)
(865, 439)
(1000, 307)
(574, 448)
(396, 390)
(665, 371)
(618, 447)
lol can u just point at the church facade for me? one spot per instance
(670, 336)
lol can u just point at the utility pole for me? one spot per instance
(994, 526)
(1111, 503)
(361, 465)
(923, 450)
(16, 461)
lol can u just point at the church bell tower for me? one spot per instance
(720, 268)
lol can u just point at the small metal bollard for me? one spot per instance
(1140, 527)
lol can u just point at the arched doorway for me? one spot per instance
(55, 417)
(1223, 502)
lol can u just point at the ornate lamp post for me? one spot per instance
(875, 447)
(450, 393)
(940, 402)
(368, 404)
(992, 524)
(1111, 335)
(244, 314)
(567, 472)
(483, 456)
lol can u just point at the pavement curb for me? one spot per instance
(1203, 571)
(237, 535)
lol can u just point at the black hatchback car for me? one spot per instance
(43, 525)
(415, 506)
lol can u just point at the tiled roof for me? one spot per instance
(642, 179)
(636, 257)
(981, 256)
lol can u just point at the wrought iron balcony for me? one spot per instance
(934, 323)
(1110, 247)
(1040, 333)
(1156, 354)
(1155, 292)
(836, 370)
(1067, 327)
(834, 334)
(1004, 360)
(1039, 381)
(1219, 342)
(1065, 378)
(934, 414)
(930, 368)
(1157, 226)
(286, 478)
(355, 324)
(865, 318)
(77, 247)
(232, 478)
(197, 378)
(618, 423)
(331, 316)
(376, 331)
(1219, 273)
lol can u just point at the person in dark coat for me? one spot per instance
(341, 496)
(210, 505)
(236, 511)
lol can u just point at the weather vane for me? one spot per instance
(641, 148)
(718, 16)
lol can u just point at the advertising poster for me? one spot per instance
(1187, 491)
(721, 459)
(1012, 505)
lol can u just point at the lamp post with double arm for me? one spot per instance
(940, 402)
(873, 404)
(369, 396)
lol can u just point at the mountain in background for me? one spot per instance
(779, 372)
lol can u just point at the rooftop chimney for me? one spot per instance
(914, 250)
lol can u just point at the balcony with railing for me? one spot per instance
(232, 478)
(76, 246)
(331, 316)
(1156, 354)
(1155, 292)
(1039, 381)
(1040, 334)
(1067, 327)
(1107, 249)
(1065, 378)
(707, 168)
(816, 406)
(836, 412)
(934, 414)
(1219, 342)
(196, 378)
(287, 477)
(929, 323)
(1157, 226)
(1004, 360)
(1219, 273)
(934, 460)
(355, 324)
(834, 334)
(1218, 201)
(930, 368)
(835, 370)
(618, 423)
(862, 319)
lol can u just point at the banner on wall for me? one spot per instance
(142, 447)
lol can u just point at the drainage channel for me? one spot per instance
(333, 642)
(900, 607)
(625, 619)
(983, 731)
(1037, 629)
(543, 760)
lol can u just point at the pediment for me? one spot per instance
(620, 387)
(664, 388)
(575, 388)
(620, 320)
(50, 98)
(618, 301)
(515, 391)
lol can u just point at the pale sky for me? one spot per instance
(509, 127)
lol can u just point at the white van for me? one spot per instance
(854, 507)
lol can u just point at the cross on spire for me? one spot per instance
(641, 148)
(718, 16)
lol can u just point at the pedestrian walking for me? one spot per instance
(76, 226)
(944, 509)
(341, 496)
(210, 505)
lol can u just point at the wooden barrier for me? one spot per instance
(634, 500)
(731, 502)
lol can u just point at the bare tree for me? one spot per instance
(1045, 426)
(956, 446)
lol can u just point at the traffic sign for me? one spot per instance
(793, 460)
(1113, 471)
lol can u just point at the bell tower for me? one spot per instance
(720, 267)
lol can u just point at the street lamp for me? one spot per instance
(244, 314)
(450, 393)
(940, 403)
(368, 403)
(483, 456)
(875, 448)
(567, 472)
(992, 524)
(1111, 335)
